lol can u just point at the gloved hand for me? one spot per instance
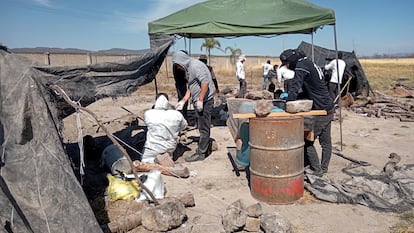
(199, 105)
(283, 96)
(180, 105)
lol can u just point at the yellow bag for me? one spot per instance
(119, 189)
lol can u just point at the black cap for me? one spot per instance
(288, 56)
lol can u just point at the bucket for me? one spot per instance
(113, 158)
(276, 159)
(243, 155)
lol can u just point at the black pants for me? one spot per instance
(204, 123)
(243, 88)
(322, 131)
(333, 91)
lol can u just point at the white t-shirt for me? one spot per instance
(240, 70)
(266, 68)
(285, 73)
(332, 66)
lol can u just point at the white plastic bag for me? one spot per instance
(155, 184)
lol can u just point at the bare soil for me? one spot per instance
(215, 185)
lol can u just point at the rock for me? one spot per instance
(165, 160)
(234, 217)
(252, 224)
(263, 107)
(275, 223)
(164, 217)
(299, 106)
(254, 210)
(259, 95)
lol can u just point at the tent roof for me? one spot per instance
(230, 18)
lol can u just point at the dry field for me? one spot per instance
(382, 74)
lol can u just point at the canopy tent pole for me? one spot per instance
(189, 45)
(339, 87)
(313, 54)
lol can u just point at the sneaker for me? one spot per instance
(195, 157)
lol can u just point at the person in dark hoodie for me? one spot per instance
(309, 78)
(201, 94)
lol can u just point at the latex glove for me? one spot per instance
(283, 96)
(199, 105)
(180, 105)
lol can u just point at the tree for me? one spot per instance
(210, 43)
(234, 54)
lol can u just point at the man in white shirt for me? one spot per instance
(241, 76)
(333, 83)
(283, 72)
(266, 68)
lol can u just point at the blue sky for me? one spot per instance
(369, 26)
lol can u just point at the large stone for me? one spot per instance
(164, 217)
(299, 106)
(234, 217)
(275, 223)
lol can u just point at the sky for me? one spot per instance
(368, 27)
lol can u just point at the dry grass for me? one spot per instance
(382, 74)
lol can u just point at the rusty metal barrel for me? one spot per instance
(276, 159)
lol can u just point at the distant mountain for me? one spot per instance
(113, 51)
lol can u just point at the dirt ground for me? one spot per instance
(215, 185)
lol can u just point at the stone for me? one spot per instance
(164, 217)
(254, 210)
(252, 224)
(275, 223)
(234, 217)
(299, 106)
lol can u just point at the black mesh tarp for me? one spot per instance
(39, 191)
(359, 83)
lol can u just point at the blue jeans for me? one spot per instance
(265, 78)
(322, 131)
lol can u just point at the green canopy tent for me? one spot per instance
(230, 18)
(235, 18)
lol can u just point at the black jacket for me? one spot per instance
(310, 78)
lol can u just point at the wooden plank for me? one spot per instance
(282, 114)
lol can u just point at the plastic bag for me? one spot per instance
(155, 184)
(120, 189)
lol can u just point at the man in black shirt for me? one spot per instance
(309, 78)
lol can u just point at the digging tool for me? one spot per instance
(360, 162)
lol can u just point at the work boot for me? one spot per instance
(195, 157)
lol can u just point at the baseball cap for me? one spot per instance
(242, 57)
(288, 56)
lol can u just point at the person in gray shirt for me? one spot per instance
(200, 93)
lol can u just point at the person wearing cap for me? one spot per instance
(266, 68)
(309, 78)
(200, 90)
(203, 58)
(335, 65)
(241, 76)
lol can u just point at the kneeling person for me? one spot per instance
(164, 127)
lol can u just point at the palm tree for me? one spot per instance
(210, 43)
(234, 54)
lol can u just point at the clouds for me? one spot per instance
(45, 3)
(150, 10)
